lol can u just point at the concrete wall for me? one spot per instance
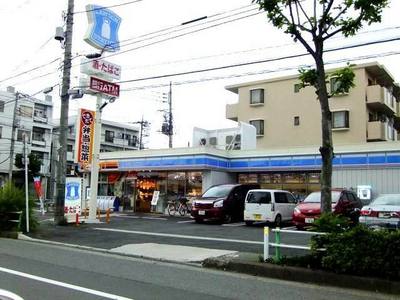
(216, 177)
(382, 180)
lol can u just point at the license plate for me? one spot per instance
(309, 220)
(257, 217)
(202, 212)
(384, 215)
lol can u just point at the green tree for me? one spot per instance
(312, 23)
(34, 164)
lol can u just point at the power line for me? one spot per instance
(258, 61)
(258, 72)
(105, 7)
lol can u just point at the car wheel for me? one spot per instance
(199, 221)
(249, 223)
(278, 221)
(227, 218)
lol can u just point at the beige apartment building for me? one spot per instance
(286, 117)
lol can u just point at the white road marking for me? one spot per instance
(181, 236)
(154, 218)
(188, 221)
(128, 217)
(46, 220)
(64, 285)
(289, 228)
(234, 224)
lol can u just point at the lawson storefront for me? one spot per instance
(135, 175)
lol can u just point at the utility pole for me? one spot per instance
(26, 184)
(143, 126)
(14, 125)
(170, 121)
(62, 158)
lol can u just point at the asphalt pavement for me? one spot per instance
(42, 271)
(128, 228)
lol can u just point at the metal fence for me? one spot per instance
(278, 245)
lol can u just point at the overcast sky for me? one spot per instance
(199, 99)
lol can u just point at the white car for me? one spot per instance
(268, 206)
(383, 211)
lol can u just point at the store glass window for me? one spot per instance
(176, 184)
(194, 184)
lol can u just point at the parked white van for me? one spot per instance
(268, 206)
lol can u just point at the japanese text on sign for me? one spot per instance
(85, 136)
(104, 87)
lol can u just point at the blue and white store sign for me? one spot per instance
(73, 197)
(103, 28)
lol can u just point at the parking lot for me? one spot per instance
(148, 228)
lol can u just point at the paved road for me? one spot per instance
(37, 271)
(134, 229)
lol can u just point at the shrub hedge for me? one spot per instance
(12, 199)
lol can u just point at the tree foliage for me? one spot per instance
(312, 22)
(34, 163)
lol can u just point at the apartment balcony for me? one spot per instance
(381, 99)
(380, 131)
(231, 111)
(38, 142)
(70, 156)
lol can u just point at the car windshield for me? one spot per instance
(316, 197)
(218, 191)
(393, 199)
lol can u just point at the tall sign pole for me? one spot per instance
(62, 152)
(102, 33)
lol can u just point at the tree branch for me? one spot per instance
(325, 13)
(305, 15)
(357, 21)
(325, 30)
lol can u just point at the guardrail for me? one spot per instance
(278, 245)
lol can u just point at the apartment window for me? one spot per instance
(257, 96)
(2, 106)
(69, 148)
(109, 136)
(22, 133)
(259, 125)
(213, 141)
(340, 119)
(1, 132)
(297, 87)
(25, 111)
(296, 121)
(228, 139)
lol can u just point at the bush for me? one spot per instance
(331, 223)
(360, 251)
(12, 199)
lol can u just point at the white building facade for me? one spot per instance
(32, 119)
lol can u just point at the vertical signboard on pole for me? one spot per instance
(84, 138)
(73, 198)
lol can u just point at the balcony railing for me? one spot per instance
(231, 111)
(381, 99)
(380, 131)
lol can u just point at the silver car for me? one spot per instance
(384, 211)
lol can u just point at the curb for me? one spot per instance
(305, 275)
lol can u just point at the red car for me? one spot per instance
(344, 202)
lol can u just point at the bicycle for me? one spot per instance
(171, 208)
(183, 208)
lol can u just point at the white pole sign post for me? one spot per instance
(102, 34)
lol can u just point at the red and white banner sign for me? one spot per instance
(105, 87)
(101, 68)
(85, 136)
